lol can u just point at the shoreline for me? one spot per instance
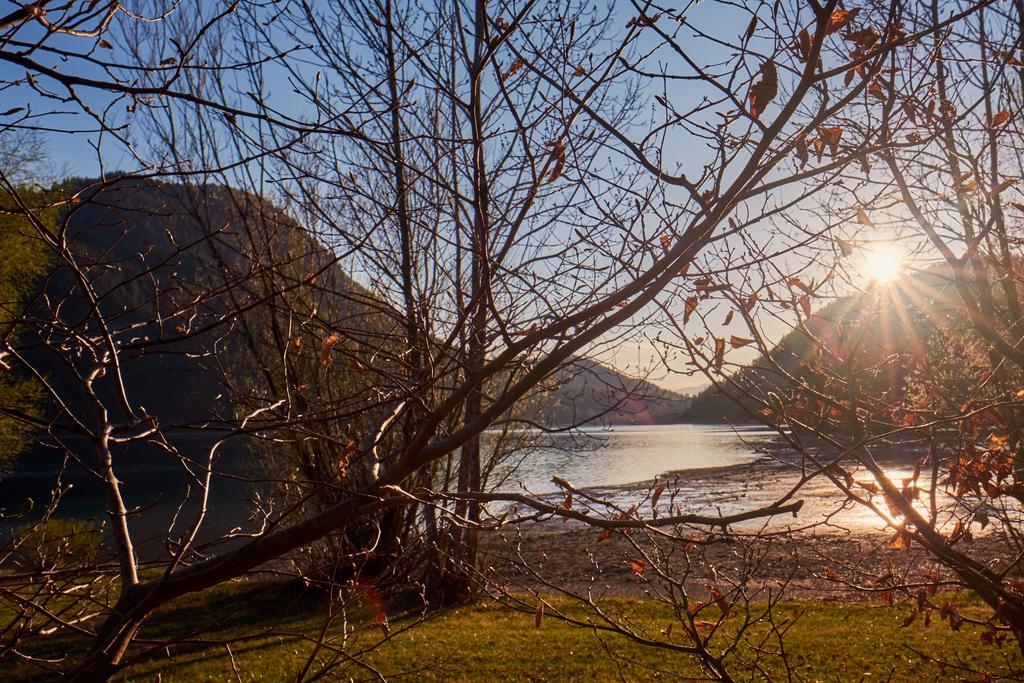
(827, 552)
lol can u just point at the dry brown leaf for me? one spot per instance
(517, 65)
(848, 78)
(691, 306)
(1000, 118)
(720, 600)
(799, 284)
(739, 342)
(1000, 187)
(801, 150)
(967, 186)
(802, 46)
(864, 38)
(558, 153)
(765, 90)
(703, 625)
(840, 19)
(325, 349)
(828, 136)
(657, 494)
(908, 108)
(805, 304)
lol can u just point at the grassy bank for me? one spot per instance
(826, 641)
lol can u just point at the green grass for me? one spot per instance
(827, 642)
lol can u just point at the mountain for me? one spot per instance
(587, 390)
(178, 273)
(173, 265)
(897, 336)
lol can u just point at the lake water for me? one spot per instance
(636, 453)
(608, 461)
(155, 486)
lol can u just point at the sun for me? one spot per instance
(882, 263)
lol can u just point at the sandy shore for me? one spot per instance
(826, 552)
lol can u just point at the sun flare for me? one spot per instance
(883, 263)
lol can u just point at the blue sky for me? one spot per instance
(73, 138)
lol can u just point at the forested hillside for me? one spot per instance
(25, 259)
(163, 259)
(932, 342)
(172, 245)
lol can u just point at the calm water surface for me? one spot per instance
(595, 458)
(629, 454)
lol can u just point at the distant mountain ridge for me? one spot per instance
(586, 389)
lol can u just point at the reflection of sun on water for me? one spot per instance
(882, 263)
